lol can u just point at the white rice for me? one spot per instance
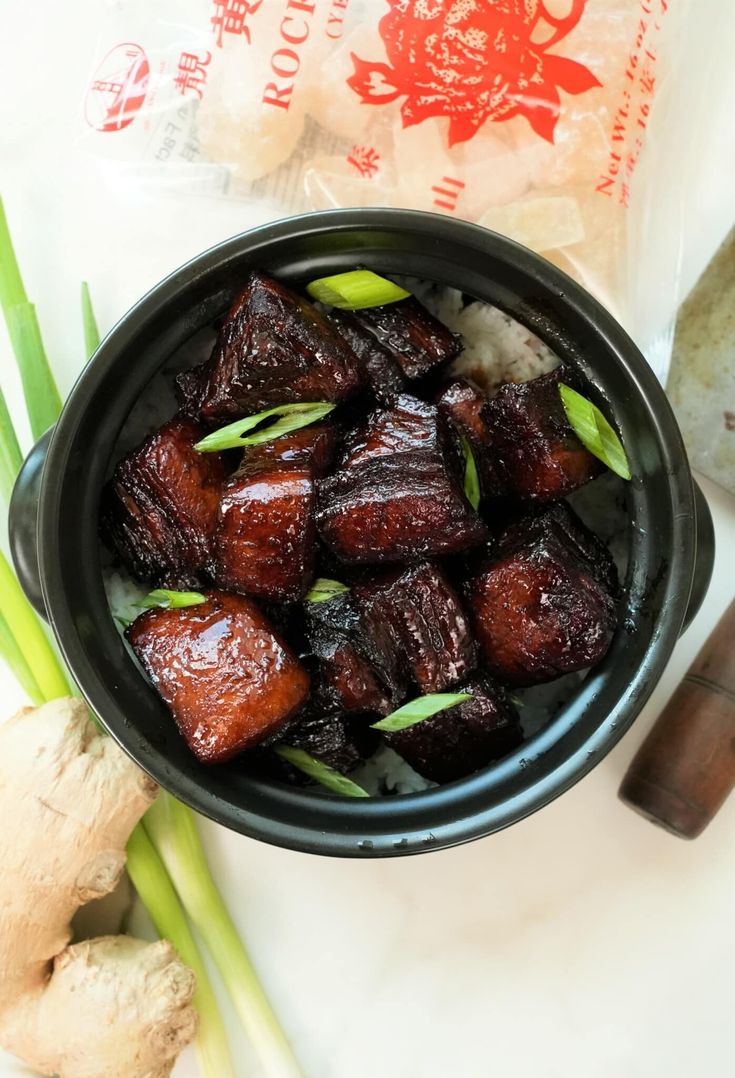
(388, 773)
(496, 349)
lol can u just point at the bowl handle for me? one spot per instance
(23, 523)
(705, 557)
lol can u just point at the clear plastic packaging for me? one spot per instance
(555, 122)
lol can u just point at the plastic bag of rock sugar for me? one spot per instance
(576, 127)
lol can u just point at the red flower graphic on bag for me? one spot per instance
(473, 60)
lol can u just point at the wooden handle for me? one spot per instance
(685, 768)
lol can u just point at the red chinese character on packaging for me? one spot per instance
(230, 16)
(366, 160)
(192, 73)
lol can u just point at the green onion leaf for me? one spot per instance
(12, 292)
(291, 417)
(471, 478)
(17, 663)
(319, 772)
(355, 290)
(323, 589)
(171, 600)
(42, 396)
(11, 457)
(89, 322)
(23, 625)
(594, 431)
(418, 710)
(43, 401)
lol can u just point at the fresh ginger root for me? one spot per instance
(114, 1007)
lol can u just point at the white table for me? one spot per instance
(581, 942)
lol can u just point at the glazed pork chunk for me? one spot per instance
(396, 494)
(537, 454)
(160, 507)
(265, 539)
(462, 404)
(347, 681)
(544, 603)
(381, 371)
(417, 341)
(332, 738)
(228, 679)
(274, 347)
(413, 627)
(464, 738)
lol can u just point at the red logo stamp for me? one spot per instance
(473, 60)
(118, 88)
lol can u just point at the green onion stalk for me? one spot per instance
(43, 401)
(23, 627)
(26, 648)
(11, 457)
(173, 831)
(89, 323)
(156, 892)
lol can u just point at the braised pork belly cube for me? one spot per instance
(545, 602)
(381, 371)
(462, 405)
(417, 341)
(332, 738)
(346, 681)
(415, 617)
(273, 348)
(560, 522)
(160, 508)
(537, 454)
(265, 540)
(315, 445)
(229, 681)
(397, 494)
(463, 739)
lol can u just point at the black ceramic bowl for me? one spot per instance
(671, 548)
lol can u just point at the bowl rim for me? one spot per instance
(467, 810)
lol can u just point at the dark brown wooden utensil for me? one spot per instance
(685, 768)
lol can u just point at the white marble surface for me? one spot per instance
(581, 942)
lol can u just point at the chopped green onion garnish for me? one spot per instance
(89, 322)
(354, 290)
(291, 417)
(471, 478)
(418, 710)
(594, 431)
(171, 600)
(323, 589)
(319, 772)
